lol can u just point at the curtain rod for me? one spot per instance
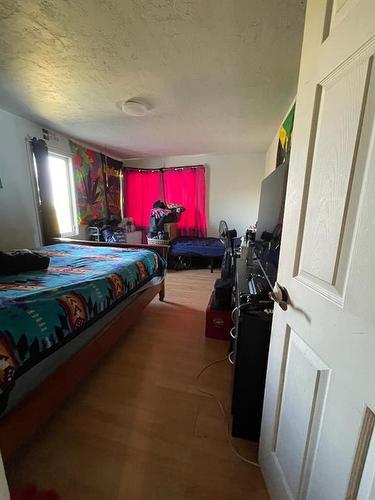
(93, 148)
(162, 168)
(30, 138)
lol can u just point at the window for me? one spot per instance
(60, 170)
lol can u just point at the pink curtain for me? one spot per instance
(183, 186)
(141, 190)
(187, 187)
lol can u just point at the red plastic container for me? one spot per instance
(218, 323)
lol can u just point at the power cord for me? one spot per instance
(223, 412)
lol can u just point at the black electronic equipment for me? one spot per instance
(255, 276)
(223, 294)
(253, 331)
(227, 236)
(258, 287)
(249, 349)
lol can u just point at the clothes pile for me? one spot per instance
(162, 214)
(111, 230)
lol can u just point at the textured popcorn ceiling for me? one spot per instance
(219, 74)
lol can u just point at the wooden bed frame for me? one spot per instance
(22, 422)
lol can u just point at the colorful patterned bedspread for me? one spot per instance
(42, 310)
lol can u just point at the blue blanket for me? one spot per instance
(42, 310)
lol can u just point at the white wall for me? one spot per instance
(18, 221)
(233, 185)
(271, 153)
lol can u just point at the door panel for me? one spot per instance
(361, 483)
(317, 439)
(333, 166)
(305, 386)
(340, 10)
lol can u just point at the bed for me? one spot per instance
(57, 324)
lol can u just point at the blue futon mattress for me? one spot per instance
(197, 247)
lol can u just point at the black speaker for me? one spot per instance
(253, 332)
(223, 294)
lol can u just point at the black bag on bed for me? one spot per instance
(21, 261)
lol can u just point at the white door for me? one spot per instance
(4, 492)
(318, 439)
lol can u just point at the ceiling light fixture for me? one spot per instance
(134, 107)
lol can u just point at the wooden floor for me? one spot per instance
(137, 428)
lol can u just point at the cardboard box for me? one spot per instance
(171, 228)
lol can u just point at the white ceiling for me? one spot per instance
(219, 74)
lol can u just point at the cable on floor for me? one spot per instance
(223, 412)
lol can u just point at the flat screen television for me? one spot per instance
(270, 215)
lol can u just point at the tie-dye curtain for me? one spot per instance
(112, 180)
(89, 183)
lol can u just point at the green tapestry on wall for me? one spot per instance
(285, 138)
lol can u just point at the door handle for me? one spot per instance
(280, 295)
